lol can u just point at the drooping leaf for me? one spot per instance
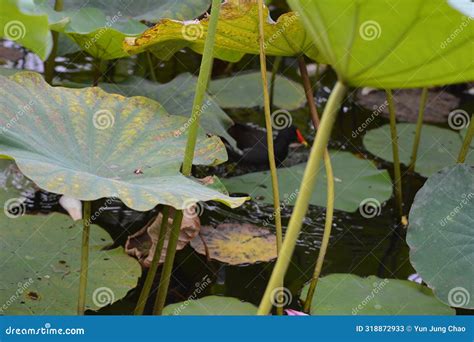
(349, 294)
(355, 180)
(211, 306)
(245, 91)
(441, 235)
(21, 22)
(236, 243)
(438, 147)
(41, 262)
(177, 98)
(383, 44)
(88, 144)
(149, 10)
(237, 34)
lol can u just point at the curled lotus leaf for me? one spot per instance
(237, 34)
(88, 144)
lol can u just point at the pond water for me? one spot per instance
(358, 245)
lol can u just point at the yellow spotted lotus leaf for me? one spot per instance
(89, 144)
(236, 243)
(237, 34)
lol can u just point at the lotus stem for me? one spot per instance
(81, 304)
(396, 157)
(467, 141)
(201, 87)
(330, 185)
(203, 80)
(145, 293)
(168, 265)
(151, 66)
(50, 63)
(275, 68)
(302, 202)
(419, 125)
(268, 124)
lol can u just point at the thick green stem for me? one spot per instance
(467, 142)
(396, 159)
(307, 185)
(50, 63)
(168, 265)
(203, 80)
(419, 125)
(268, 124)
(81, 304)
(154, 264)
(330, 185)
(275, 68)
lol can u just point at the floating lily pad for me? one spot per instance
(177, 98)
(439, 147)
(21, 22)
(355, 180)
(211, 306)
(441, 235)
(237, 34)
(41, 262)
(236, 243)
(245, 91)
(383, 44)
(88, 144)
(349, 294)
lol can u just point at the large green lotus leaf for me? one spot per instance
(441, 235)
(149, 10)
(89, 144)
(438, 147)
(177, 98)
(211, 306)
(41, 262)
(355, 180)
(237, 34)
(349, 294)
(20, 22)
(245, 91)
(384, 44)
